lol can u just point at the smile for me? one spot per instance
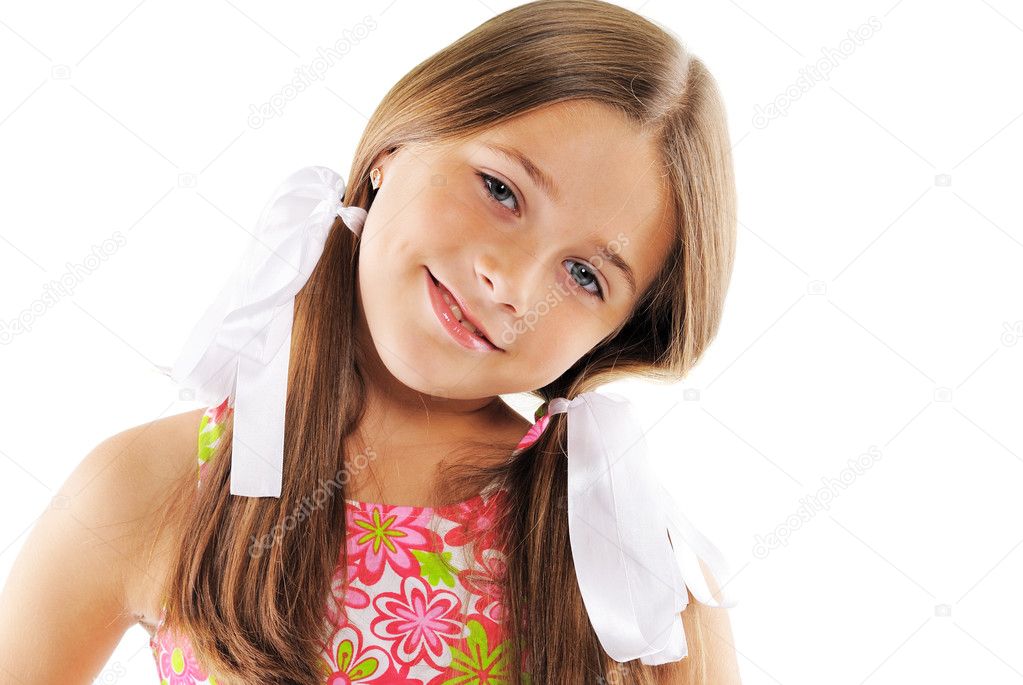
(455, 320)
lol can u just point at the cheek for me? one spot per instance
(401, 239)
(452, 214)
(542, 362)
(548, 344)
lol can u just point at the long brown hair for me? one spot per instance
(260, 617)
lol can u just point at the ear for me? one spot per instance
(383, 159)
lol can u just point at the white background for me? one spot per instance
(875, 306)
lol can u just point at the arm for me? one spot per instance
(73, 589)
(711, 659)
(712, 628)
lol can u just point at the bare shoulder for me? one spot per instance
(153, 458)
(87, 570)
(120, 491)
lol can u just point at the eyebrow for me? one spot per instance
(618, 262)
(542, 180)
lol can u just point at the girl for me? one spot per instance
(544, 206)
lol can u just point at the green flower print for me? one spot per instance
(208, 436)
(436, 568)
(480, 665)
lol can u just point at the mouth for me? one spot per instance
(456, 319)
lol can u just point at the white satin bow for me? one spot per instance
(241, 345)
(632, 577)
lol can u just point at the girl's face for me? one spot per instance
(531, 255)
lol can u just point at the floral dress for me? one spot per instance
(423, 606)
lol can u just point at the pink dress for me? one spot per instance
(418, 611)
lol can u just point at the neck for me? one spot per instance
(407, 427)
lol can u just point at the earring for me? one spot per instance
(374, 177)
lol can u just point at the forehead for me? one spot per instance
(587, 148)
(608, 175)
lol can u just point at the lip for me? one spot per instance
(452, 325)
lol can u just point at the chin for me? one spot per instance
(415, 366)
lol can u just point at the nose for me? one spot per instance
(507, 284)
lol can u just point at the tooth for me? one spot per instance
(458, 313)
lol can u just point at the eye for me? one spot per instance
(498, 191)
(587, 274)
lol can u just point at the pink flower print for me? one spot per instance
(475, 521)
(397, 674)
(485, 580)
(217, 413)
(420, 622)
(351, 661)
(340, 596)
(534, 432)
(178, 665)
(384, 536)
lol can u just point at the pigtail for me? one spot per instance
(543, 600)
(259, 617)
